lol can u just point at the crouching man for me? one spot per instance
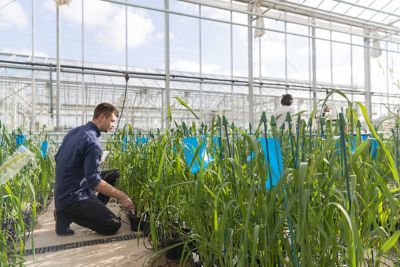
(78, 178)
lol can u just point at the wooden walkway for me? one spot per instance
(87, 248)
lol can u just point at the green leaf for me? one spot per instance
(389, 157)
(390, 242)
(186, 106)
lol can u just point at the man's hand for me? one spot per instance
(107, 189)
(126, 203)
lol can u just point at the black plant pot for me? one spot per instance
(176, 252)
(135, 222)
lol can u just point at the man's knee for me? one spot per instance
(112, 176)
(111, 227)
(116, 173)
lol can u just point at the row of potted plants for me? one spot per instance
(334, 203)
(27, 177)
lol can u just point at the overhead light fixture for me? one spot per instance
(62, 2)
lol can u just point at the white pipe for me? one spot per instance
(367, 77)
(84, 107)
(314, 67)
(167, 65)
(58, 71)
(33, 119)
(250, 68)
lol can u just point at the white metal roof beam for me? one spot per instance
(293, 10)
(370, 8)
(325, 15)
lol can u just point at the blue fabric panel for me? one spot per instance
(202, 160)
(207, 158)
(353, 144)
(364, 137)
(44, 147)
(124, 143)
(374, 147)
(216, 142)
(275, 160)
(251, 156)
(141, 140)
(20, 139)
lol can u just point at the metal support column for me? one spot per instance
(250, 67)
(367, 76)
(33, 118)
(351, 68)
(314, 66)
(167, 70)
(58, 72)
(231, 65)
(200, 63)
(83, 88)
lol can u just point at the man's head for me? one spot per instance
(286, 100)
(105, 115)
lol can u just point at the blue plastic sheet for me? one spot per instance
(20, 139)
(202, 160)
(251, 156)
(124, 143)
(354, 142)
(207, 157)
(273, 159)
(141, 140)
(44, 147)
(364, 137)
(374, 147)
(216, 142)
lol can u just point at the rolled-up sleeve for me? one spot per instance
(92, 164)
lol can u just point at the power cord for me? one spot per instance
(121, 211)
(123, 103)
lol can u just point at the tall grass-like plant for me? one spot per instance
(26, 185)
(334, 205)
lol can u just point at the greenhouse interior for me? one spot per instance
(200, 132)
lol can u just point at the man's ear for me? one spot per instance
(102, 117)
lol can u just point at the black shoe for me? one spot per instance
(65, 232)
(63, 222)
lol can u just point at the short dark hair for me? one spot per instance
(286, 100)
(106, 109)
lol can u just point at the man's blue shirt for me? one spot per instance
(77, 165)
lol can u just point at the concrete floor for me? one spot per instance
(119, 253)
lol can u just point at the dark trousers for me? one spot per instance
(92, 213)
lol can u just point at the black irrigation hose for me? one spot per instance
(144, 242)
(155, 260)
(120, 217)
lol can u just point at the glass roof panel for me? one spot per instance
(366, 14)
(354, 11)
(341, 8)
(382, 11)
(327, 5)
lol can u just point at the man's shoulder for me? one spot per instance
(284, 109)
(83, 133)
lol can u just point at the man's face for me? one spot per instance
(107, 123)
